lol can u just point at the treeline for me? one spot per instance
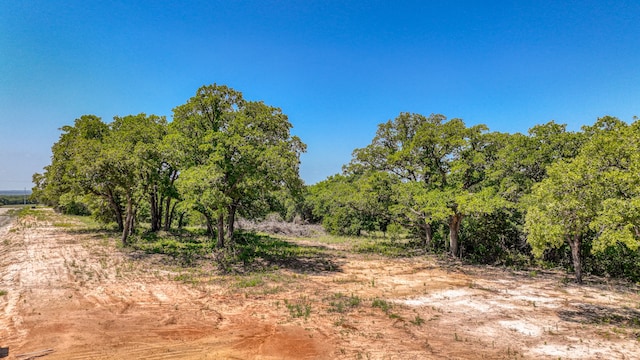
(6, 199)
(567, 198)
(221, 157)
(494, 197)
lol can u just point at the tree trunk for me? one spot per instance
(181, 219)
(170, 209)
(153, 204)
(231, 219)
(220, 243)
(167, 214)
(454, 232)
(209, 222)
(427, 234)
(128, 221)
(576, 256)
(117, 211)
(168, 220)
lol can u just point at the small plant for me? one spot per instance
(382, 304)
(3, 292)
(252, 281)
(341, 303)
(417, 321)
(301, 308)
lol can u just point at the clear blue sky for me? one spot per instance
(336, 68)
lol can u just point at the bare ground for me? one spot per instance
(75, 295)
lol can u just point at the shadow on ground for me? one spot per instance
(248, 253)
(599, 314)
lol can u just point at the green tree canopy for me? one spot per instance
(234, 153)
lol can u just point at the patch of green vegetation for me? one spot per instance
(37, 213)
(185, 250)
(381, 304)
(417, 321)
(3, 292)
(63, 224)
(389, 248)
(341, 303)
(258, 253)
(250, 281)
(301, 308)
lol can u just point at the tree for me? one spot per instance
(234, 153)
(76, 177)
(106, 168)
(523, 159)
(592, 197)
(441, 166)
(134, 163)
(348, 205)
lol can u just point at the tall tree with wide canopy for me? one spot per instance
(233, 154)
(593, 197)
(440, 165)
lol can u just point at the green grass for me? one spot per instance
(341, 303)
(301, 308)
(381, 304)
(375, 244)
(250, 281)
(417, 321)
(3, 292)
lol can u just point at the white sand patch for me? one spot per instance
(161, 296)
(522, 327)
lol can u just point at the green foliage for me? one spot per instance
(234, 154)
(438, 170)
(6, 199)
(341, 303)
(220, 156)
(183, 249)
(382, 304)
(496, 238)
(300, 308)
(349, 205)
(417, 321)
(591, 198)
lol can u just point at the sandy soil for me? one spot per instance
(75, 295)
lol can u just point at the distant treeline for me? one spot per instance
(15, 199)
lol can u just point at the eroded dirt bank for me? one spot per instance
(77, 294)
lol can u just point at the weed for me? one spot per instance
(381, 304)
(3, 292)
(341, 303)
(252, 281)
(417, 321)
(301, 308)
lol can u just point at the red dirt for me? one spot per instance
(84, 298)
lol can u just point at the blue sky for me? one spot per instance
(336, 68)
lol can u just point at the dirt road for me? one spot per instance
(4, 219)
(75, 295)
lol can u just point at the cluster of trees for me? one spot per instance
(221, 156)
(482, 194)
(13, 198)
